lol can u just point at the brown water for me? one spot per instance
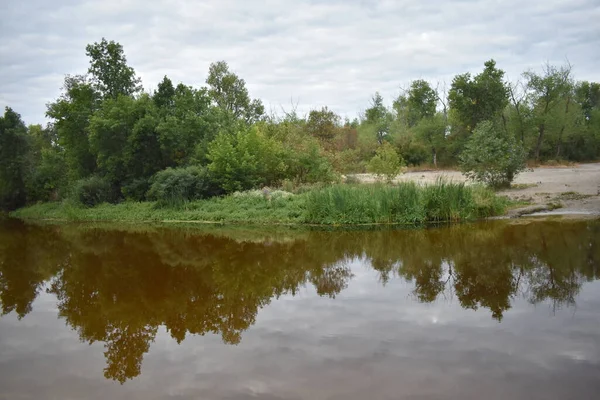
(493, 310)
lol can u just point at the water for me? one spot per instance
(494, 310)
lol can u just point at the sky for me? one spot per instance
(300, 54)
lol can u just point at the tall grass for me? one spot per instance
(405, 203)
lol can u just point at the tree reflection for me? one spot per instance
(119, 286)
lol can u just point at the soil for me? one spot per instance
(561, 190)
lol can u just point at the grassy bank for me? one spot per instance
(405, 203)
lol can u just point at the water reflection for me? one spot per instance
(119, 286)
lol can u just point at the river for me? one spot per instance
(494, 310)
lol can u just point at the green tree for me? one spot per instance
(47, 175)
(378, 117)
(245, 160)
(123, 135)
(230, 93)
(492, 157)
(71, 113)
(545, 94)
(386, 162)
(109, 70)
(13, 160)
(432, 132)
(323, 124)
(163, 97)
(480, 98)
(419, 102)
(189, 125)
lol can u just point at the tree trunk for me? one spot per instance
(562, 129)
(434, 158)
(538, 146)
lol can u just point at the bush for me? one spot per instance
(245, 160)
(92, 191)
(175, 186)
(491, 157)
(386, 162)
(136, 189)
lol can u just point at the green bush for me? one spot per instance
(245, 160)
(92, 191)
(491, 157)
(136, 189)
(175, 186)
(386, 162)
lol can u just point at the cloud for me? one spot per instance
(310, 52)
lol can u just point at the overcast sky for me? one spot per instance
(306, 52)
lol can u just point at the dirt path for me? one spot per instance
(576, 188)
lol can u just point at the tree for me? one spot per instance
(386, 162)
(432, 132)
(47, 175)
(71, 113)
(188, 125)
(545, 93)
(163, 97)
(123, 135)
(378, 117)
(13, 160)
(109, 70)
(491, 157)
(245, 160)
(323, 124)
(419, 102)
(229, 92)
(477, 99)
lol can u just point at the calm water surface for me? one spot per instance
(486, 311)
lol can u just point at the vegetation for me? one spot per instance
(386, 163)
(491, 157)
(406, 203)
(111, 141)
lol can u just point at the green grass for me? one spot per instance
(405, 203)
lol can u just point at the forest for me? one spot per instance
(111, 141)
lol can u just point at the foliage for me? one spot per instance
(71, 114)
(378, 117)
(246, 159)
(92, 191)
(175, 186)
(108, 66)
(418, 103)
(229, 92)
(406, 203)
(491, 157)
(480, 98)
(48, 179)
(432, 132)
(13, 160)
(104, 125)
(386, 162)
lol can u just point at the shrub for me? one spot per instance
(246, 159)
(92, 191)
(136, 189)
(386, 162)
(491, 157)
(175, 186)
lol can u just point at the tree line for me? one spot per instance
(109, 140)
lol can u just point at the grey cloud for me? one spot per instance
(314, 53)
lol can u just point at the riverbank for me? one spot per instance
(406, 203)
